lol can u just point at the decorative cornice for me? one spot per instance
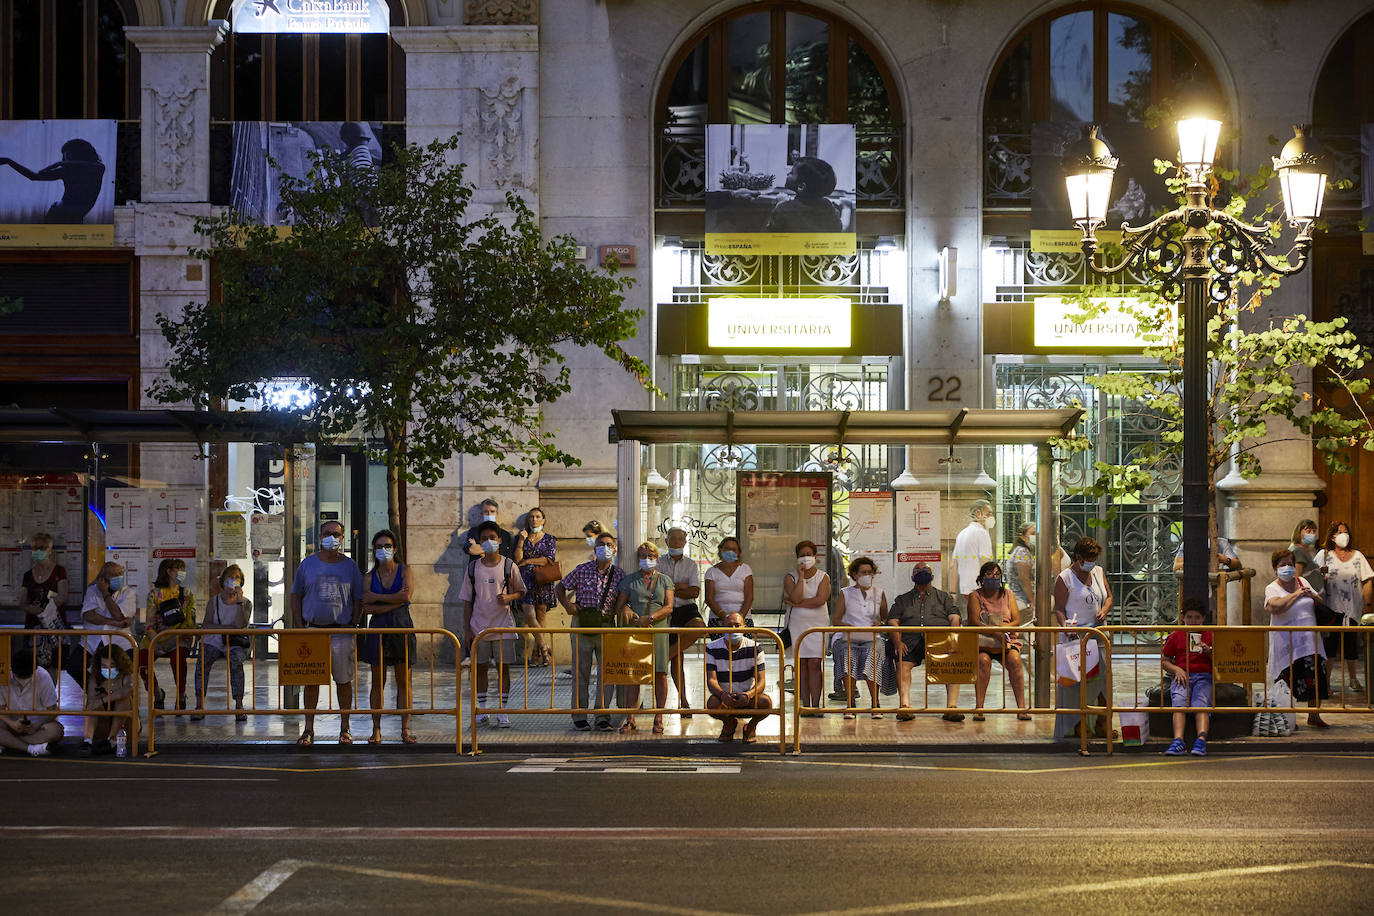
(501, 12)
(461, 38)
(156, 39)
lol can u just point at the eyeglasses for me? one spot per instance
(384, 544)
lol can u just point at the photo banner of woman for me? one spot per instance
(266, 151)
(780, 189)
(57, 183)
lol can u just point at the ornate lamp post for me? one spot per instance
(1200, 264)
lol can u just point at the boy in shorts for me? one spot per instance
(1187, 657)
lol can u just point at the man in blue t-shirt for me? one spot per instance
(327, 591)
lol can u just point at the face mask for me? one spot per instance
(923, 577)
(181, 575)
(1087, 566)
(990, 522)
(384, 554)
(992, 583)
(490, 546)
(1309, 539)
(110, 673)
(1030, 542)
(489, 517)
(535, 529)
(736, 640)
(729, 556)
(1286, 573)
(39, 556)
(674, 552)
(330, 542)
(116, 583)
(591, 540)
(604, 551)
(865, 581)
(233, 583)
(646, 564)
(808, 562)
(1341, 540)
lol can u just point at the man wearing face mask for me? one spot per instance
(30, 688)
(490, 589)
(926, 605)
(108, 607)
(686, 579)
(471, 541)
(327, 591)
(973, 546)
(734, 679)
(588, 594)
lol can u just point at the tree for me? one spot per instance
(422, 332)
(1262, 369)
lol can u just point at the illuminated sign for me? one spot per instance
(778, 324)
(1060, 323)
(324, 17)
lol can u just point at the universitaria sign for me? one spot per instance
(312, 16)
(772, 324)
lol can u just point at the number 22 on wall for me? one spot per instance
(945, 388)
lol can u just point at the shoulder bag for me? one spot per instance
(596, 616)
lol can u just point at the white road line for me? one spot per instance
(147, 779)
(1029, 893)
(546, 765)
(254, 892)
(1203, 783)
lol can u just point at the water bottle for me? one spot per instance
(122, 745)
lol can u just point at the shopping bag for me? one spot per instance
(1273, 724)
(1135, 728)
(1070, 663)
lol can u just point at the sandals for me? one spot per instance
(906, 716)
(876, 715)
(345, 738)
(198, 715)
(979, 717)
(953, 717)
(684, 715)
(408, 738)
(628, 727)
(306, 739)
(658, 725)
(1024, 716)
(376, 738)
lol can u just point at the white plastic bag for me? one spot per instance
(1275, 724)
(1068, 659)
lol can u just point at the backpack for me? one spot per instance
(506, 568)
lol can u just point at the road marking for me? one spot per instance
(140, 779)
(1079, 768)
(1213, 782)
(256, 891)
(571, 765)
(1029, 893)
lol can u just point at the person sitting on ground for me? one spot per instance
(1187, 657)
(31, 688)
(734, 679)
(112, 687)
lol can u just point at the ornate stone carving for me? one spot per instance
(501, 12)
(501, 131)
(176, 128)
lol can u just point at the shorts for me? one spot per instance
(1344, 645)
(490, 651)
(683, 615)
(1198, 692)
(343, 654)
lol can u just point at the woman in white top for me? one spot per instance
(860, 605)
(1295, 656)
(729, 586)
(228, 610)
(1348, 592)
(1081, 599)
(805, 595)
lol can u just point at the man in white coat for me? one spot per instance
(973, 546)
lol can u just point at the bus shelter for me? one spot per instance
(949, 429)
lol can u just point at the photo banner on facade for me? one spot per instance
(780, 189)
(1367, 187)
(57, 183)
(1138, 194)
(318, 17)
(266, 151)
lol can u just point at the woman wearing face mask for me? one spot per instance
(170, 606)
(111, 680)
(1081, 599)
(386, 596)
(806, 595)
(1304, 548)
(1296, 657)
(229, 610)
(729, 586)
(591, 531)
(43, 595)
(535, 548)
(862, 604)
(992, 604)
(645, 599)
(1022, 561)
(1348, 592)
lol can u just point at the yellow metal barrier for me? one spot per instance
(967, 669)
(253, 709)
(758, 634)
(65, 655)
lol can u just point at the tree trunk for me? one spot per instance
(395, 458)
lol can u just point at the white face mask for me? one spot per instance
(384, 554)
(330, 542)
(865, 581)
(232, 584)
(674, 552)
(807, 562)
(109, 673)
(591, 540)
(1030, 541)
(990, 522)
(1341, 540)
(647, 563)
(535, 529)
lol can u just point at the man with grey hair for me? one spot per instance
(973, 546)
(686, 578)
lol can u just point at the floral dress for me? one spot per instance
(546, 546)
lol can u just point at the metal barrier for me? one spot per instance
(251, 657)
(942, 636)
(65, 655)
(1219, 582)
(553, 708)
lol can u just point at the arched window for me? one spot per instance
(1342, 106)
(67, 59)
(308, 77)
(1096, 62)
(778, 63)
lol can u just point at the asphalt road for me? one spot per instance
(263, 831)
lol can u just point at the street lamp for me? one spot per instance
(1201, 263)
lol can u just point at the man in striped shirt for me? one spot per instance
(734, 678)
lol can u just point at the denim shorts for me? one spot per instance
(1197, 693)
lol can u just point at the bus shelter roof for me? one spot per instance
(953, 427)
(86, 425)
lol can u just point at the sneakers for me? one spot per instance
(85, 749)
(1176, 749)
(39, 750)
(582, 725)
(604, 725)
(481, 719)
(1199, 746)
(503, 721)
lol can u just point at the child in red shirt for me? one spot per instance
(1187, 657)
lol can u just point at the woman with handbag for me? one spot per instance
(1349, 590)
(536, 553)
(806, 596)
(1296, 657)
(992, 604)
(229, 610)
(862, 604)
(386, 596)
(170, 607)
(1081, 599)
(645, 599)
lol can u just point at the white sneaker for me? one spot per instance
(482, 719)
(503, 721)
(39, 750)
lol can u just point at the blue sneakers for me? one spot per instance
(1199, 747)
(1175, 749)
